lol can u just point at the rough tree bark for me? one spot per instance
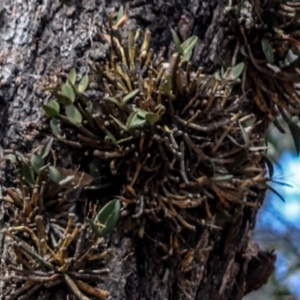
(40, 38)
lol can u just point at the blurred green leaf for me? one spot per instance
(152, 118)
(72, 76)
(68, 92)
(46, 149)
(36, 162)
(129, 96)
(54, 127)
(176, 41)
(107, 218)
(51, 109)
(134, 121)
(114, 100)
(120, 13)
(245, 135)
(236, 71)
(83, 84)
(28, 174)
(11, 157)
(268, 50)
(54, 174)
(111, 137)
(73, 114)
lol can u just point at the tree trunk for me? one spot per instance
(42, 38)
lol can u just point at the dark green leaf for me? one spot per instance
(83, 84)
(28, 174)
(134, 121)
(72, 76)
(129, 96)
(36, 162)
(245, 135)
(268, 50)
(54, 174)
(176, 41)
(107, 218)
(120, 13)
(119, 123)
(68, 92)
(73, 114)
(152, 118)
(51, 109)
(141, 112)
(189, 44)
(111, 137)
(114, 100)
(54, 127)
(46, 149)
(236, 71)
(295, 131)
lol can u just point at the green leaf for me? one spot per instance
(245, 135)
(54, 174)
(73, 114)
(114, 100)
(11, 157)
(176, 41)
(111, 137)
(120, 13)
(54, 127)
(268, 51)
(67, 91)
(46, 149)
(72, 76)
(36, 162)
(83, 84)
(295, 131)
(152, 118)
(141, 112)
(51, 109)
(119, 123)
(28, 174)
(189, 44)
(107, 218)
(236, 71)
(134, 121)
(129, 96)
